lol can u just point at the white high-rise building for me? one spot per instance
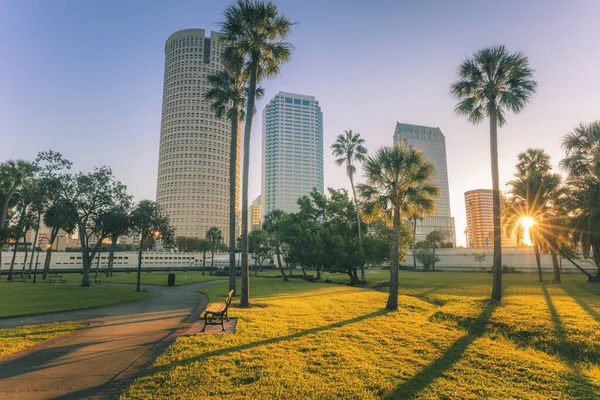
(193, 164)
(292, 148)
(432, 143)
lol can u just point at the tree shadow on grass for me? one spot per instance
(279, 339)
(579, 384)
(425, 377)
(582, 303)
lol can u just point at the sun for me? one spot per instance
(527, 223)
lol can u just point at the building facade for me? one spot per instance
(193, 164)
(479, 204)
(254, 215)
(432, 142)
(292, 145)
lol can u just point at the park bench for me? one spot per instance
(97, 281)
(54, 278)
(217, 312)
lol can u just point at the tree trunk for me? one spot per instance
(233, 174)
(289, 267)
(245, 298)
(4, 211)
(497, 266)
(360, 245)
(139, 269)
(318, 272)
(392, 302)
(12, 263)
(35, 243)
(85, 256)
(203, 261)
(26, 254)
(538, 262)
(97, 265)
(556, 267)
(212, 259)
(111, 257)
(37, 258)
(415, 243)
(278, 253)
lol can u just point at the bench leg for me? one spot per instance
(205, 321)
(227, 315)
(222, 326)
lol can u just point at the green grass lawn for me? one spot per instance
(321, 341)
(160, 278)
(22, 337)
(27, 299)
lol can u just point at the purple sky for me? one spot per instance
(85, 78)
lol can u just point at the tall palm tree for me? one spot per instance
(214, 236)
(533, 194)
(398, 185)
(582, 163)
(226, 90)
(255, 32)
(490, 83)
(348, 149)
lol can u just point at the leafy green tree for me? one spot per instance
(253, 34)
(348, 149)
(273, 226)
(149, 222)
(259, 248)
(214, 236)
(489, 84)
(582, 164)
(427, 258)
(115, 223)
(90, 196)
(59, 216)
(398, 182)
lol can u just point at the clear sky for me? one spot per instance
(84, 77)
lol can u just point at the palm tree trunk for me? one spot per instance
(203, 261)
(285, 278)
(85, 255)
(139, 269)
(538, 262)
(556, 267)
(35, 239)
(233, 174)
(392, 302)
(212, 259)
(26, 253)
(360, 246)
(12, 263)
(48, 258)
(497, 266)
(97, 265)
(415, 243)
(245, 298)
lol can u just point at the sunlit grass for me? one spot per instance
(16, 339)
(446, 341)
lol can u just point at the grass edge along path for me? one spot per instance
(446, 340)
(21, 299)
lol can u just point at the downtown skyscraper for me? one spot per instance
(432, 142)
(292, 148)
(193, 164)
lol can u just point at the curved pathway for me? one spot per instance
(101, 360)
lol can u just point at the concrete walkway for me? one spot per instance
(81, 366)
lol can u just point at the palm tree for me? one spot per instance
(398, 184)
(204, 246)
(488, 84)
(582, 163)
(272, 225)
(533, 195)
(214, 236)
(226, 90)
(253, 31)
(347, 149)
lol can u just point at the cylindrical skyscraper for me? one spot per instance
(193, 163)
